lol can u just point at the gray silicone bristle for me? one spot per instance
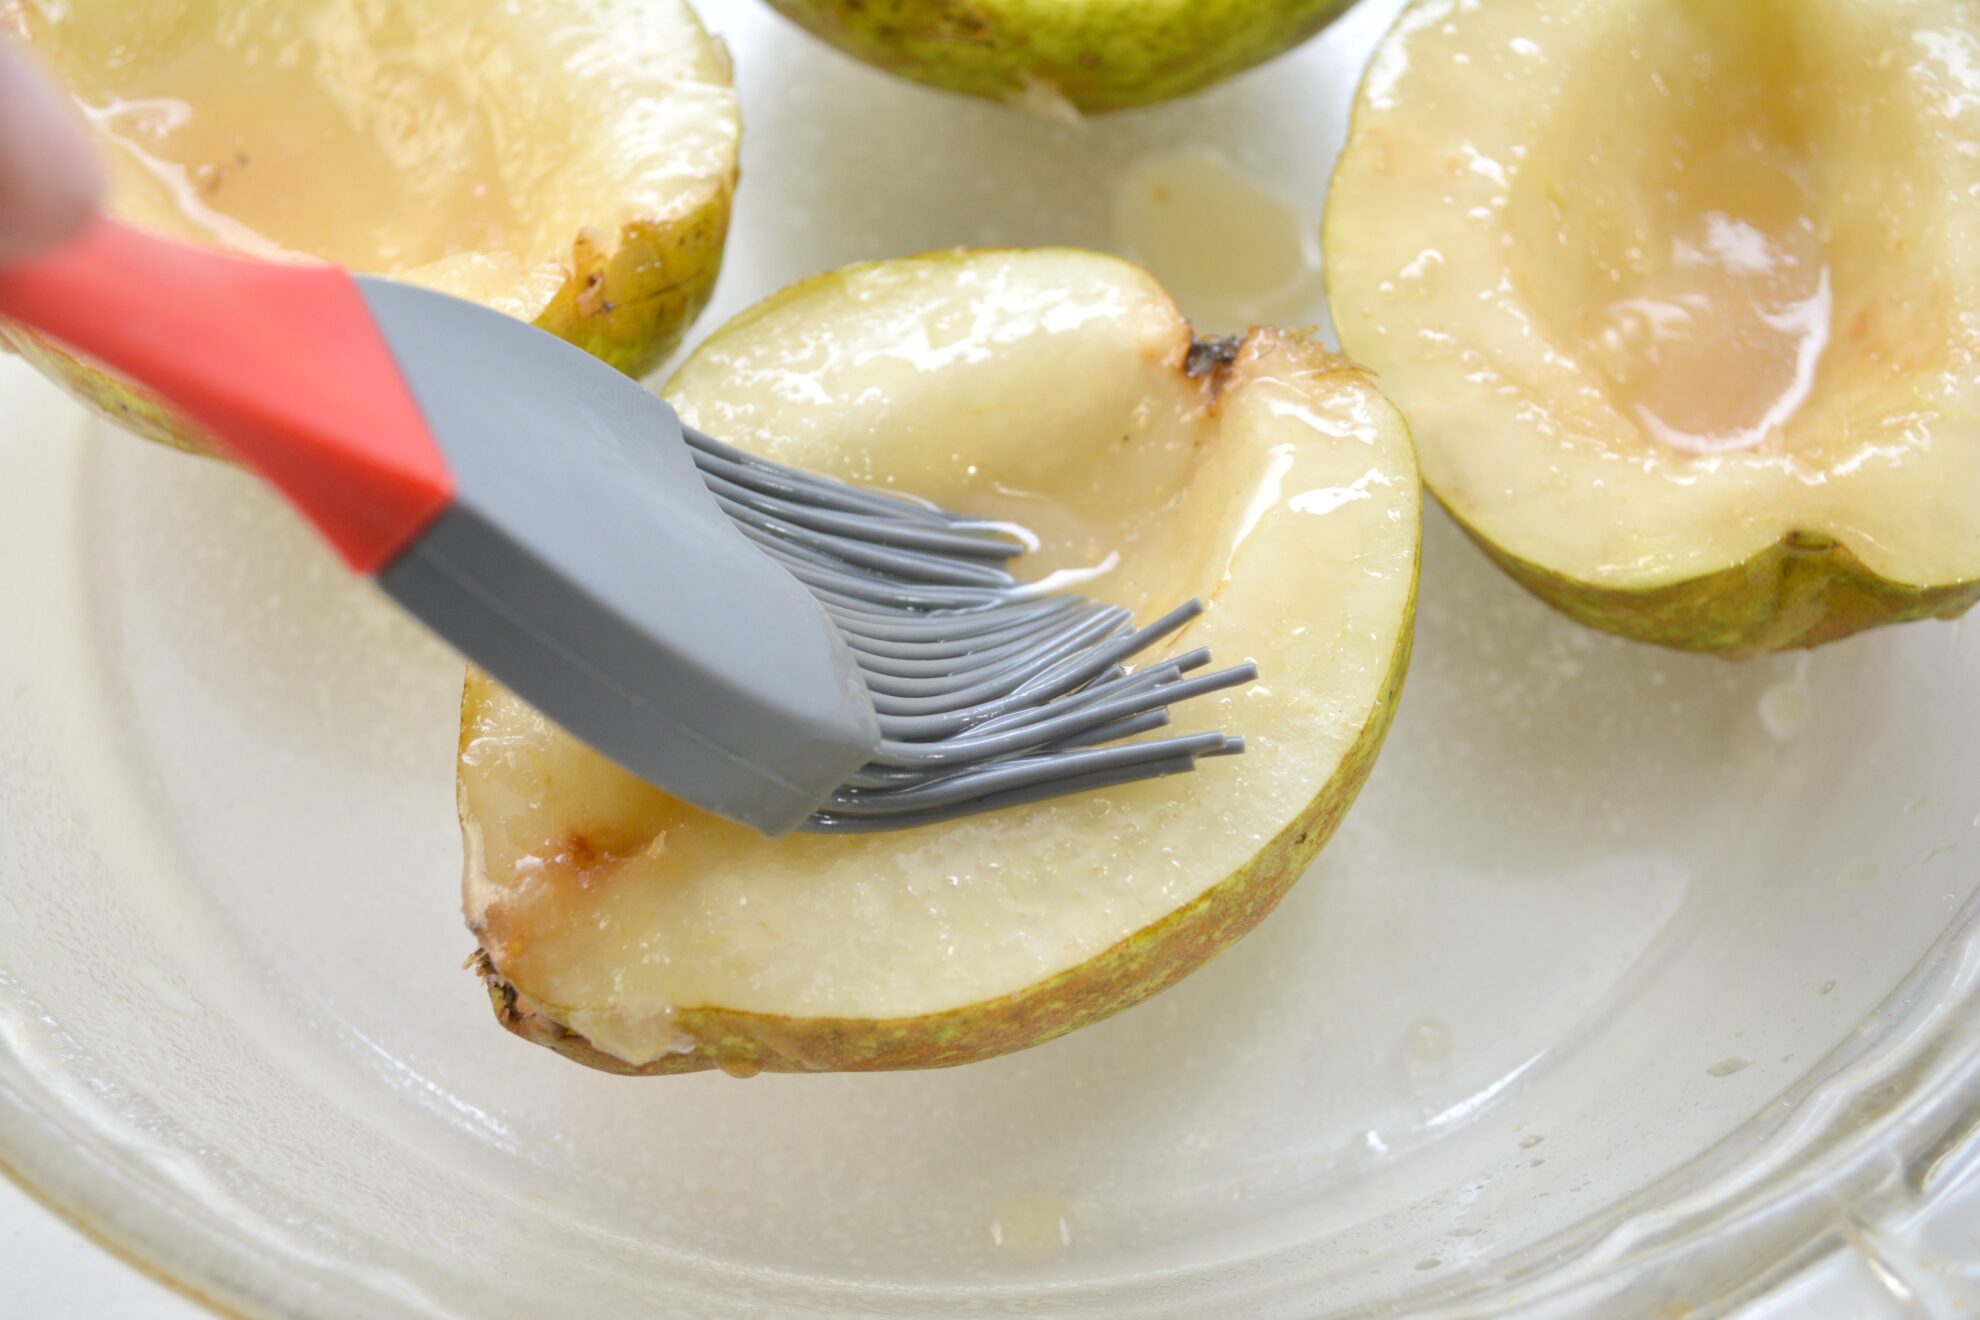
(988, 693)
(777, 647)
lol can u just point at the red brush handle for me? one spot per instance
(282, 363)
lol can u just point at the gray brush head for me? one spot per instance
(772, 645)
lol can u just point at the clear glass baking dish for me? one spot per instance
(1635, 982)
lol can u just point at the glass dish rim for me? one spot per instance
(1739, 1235)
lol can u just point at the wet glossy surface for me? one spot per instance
(1049, 390)
(1678, 182)
(1659, 283)
(1228, 246)
(453, 141)
(1719, 345)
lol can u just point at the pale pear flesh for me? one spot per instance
(571, 164)
(1052, 389)
(1679, 300)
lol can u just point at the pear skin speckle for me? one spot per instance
(1055, 56)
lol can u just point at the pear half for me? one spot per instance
(1057, 389)
(570, 162)
(1060, 55)
(1680, 299)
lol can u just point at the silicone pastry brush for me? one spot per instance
(775, 646)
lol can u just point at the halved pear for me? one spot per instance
(1061, 390)
(570, 162)
(1680, 298)
(1055, 55)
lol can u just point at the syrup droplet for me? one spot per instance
(1857, 874)
(1784, 709)
(1033, 1221)
(1430, 1040)
(1233, 252)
